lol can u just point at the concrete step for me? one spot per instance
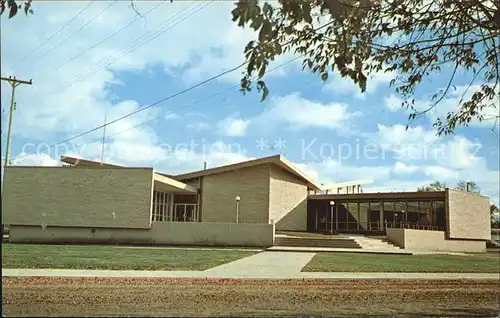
(372, 243)
(316, 242)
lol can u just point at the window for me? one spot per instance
(425, 217)
(186, 212)
(352, 216)
(389, 210)
(160, 211)
(413, 214)
(439, 209)
(363, 217)
(374, 221)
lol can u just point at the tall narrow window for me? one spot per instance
(389, 210)
(374, 216)
(425, 216)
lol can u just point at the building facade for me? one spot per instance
(88, 201)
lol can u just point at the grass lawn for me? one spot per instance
(112, 257)
(308, 234)
(351, 262)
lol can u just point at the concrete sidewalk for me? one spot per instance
(266, 264)
(249, 275)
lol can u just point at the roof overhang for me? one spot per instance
(170, 185)
(377, 196)
(277, 160)
(340, 185)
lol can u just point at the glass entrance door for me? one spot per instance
(186, 212)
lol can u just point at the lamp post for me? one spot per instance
(237, 207)
(331, 216)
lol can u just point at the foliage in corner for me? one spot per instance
(441, 186)
(14, 7)
(356, 38)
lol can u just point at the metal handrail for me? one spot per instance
(413, 227)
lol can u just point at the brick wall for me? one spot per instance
(220, 190)
(287, 200)
(171, 233)
(87, 197)
(468, 215)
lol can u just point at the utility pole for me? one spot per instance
(13, 82)
(103, 137)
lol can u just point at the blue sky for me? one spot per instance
(330, 130)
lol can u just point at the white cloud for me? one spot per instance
(393, 103)
(300, 113)
(166, 158)
(414, 143)
(43, 160)
(64, 101)
(452, 101)
(403, 168)
(438, 158)
(232, 126)
(331, 171)
(43, 109)
(439, 173)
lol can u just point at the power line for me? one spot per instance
(133, 48)
(158, 102)
(103, 40)
(74, 33)
(56, 33)
(143, 108)
(158, 117)
(201, 100)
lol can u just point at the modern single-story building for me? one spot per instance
(236, 204)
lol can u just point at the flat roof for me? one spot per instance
(277, 160)
(162, 182)
(440, 195)
(87, 163)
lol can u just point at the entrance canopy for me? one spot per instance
(166, 184)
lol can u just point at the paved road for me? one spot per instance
(250, 275)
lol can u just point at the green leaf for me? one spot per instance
(306, 12)
(362, 81)
(265, 31)
(13, 10)
(262, 71)
(257, 22)
(261, 86)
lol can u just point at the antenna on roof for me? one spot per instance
(204, 165)
(103, 136)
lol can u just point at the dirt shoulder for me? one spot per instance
(208, 297)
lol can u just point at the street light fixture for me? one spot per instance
(331, 216)
(237, 207)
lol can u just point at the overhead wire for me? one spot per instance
(158, 117)
(143, 108)
(134, 47)
(55, 33)
(103, 40)
(153, 104)
(74, 33)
